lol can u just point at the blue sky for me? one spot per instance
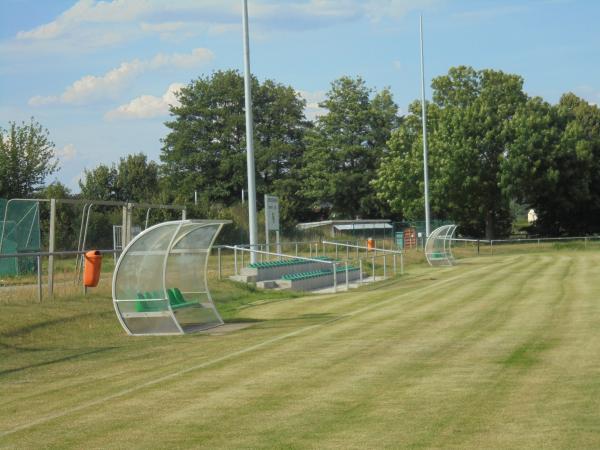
(100, 74)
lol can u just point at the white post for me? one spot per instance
(51, 239)
(235, 259)
(373, 266)
(424, 121)
(252, 221)
(219, 253)
(334, 278)
(360, 270)
(347, 282)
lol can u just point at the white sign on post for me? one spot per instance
(272, 219)
(272, 213)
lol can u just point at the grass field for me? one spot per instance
(498, 352)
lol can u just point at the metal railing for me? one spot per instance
(39, 256)
(372, 253)
(334, 264)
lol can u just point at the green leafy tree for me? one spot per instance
(205, 150)
(133, 179)
(137, 179)
(553, 164)
(471, 114)
(345, 148)
(99, 183)
(26, 159)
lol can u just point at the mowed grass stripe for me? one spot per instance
(159, 380)
(175, 387)
(421, 385)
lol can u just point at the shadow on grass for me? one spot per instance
(49, 323)
(55, 361)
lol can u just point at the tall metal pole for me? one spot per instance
(424, 119)
(252, 221)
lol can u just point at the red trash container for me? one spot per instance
(91, 271)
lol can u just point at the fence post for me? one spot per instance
(347, 281)
(360, 273)
(296, 249)
(384, 267)
(39, 278)
(347, 251)
(373, 266)
(219, 264)
(477, 247)
(243, 258)
(334, 277)
(235, 259)
(491, 247)
(336, 251)
(585, 242)
(401, 263)
(395, 267)
(51, 238)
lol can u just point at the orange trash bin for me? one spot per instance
(91, 271)
(370, 244)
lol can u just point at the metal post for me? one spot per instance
(51, 239)
(235, 259)
(183, 214)
(477, 247)
(124, 229)
(296, 249)
(395, 267)
(347, 278)
(243, 258)
(347, 252)
(39, 278)
(253, 227)
(384, 267)
(424, 121)
(219, 259)
(373, 265)
(334, 277)
(491, 247)
(401, 263)
(310, 249)
(336, 251)
(360, 270)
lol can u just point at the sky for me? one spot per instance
(100, 75)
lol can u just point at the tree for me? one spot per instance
(205, 150)
(26, 159)
(471, 113)
(345, 148)
(553, 164)
(134, 179)
(137, 179)
(99, 183)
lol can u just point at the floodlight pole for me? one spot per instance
(252, 221)
(423, 117)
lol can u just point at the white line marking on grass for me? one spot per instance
(231, 355)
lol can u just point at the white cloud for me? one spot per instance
(147, 106)
(313, 98)
(397, 64)
(40, 100)
(67, 153)
(92, 23)
(90, 87)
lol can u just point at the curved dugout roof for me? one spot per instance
(159, 284)
(438, 248)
